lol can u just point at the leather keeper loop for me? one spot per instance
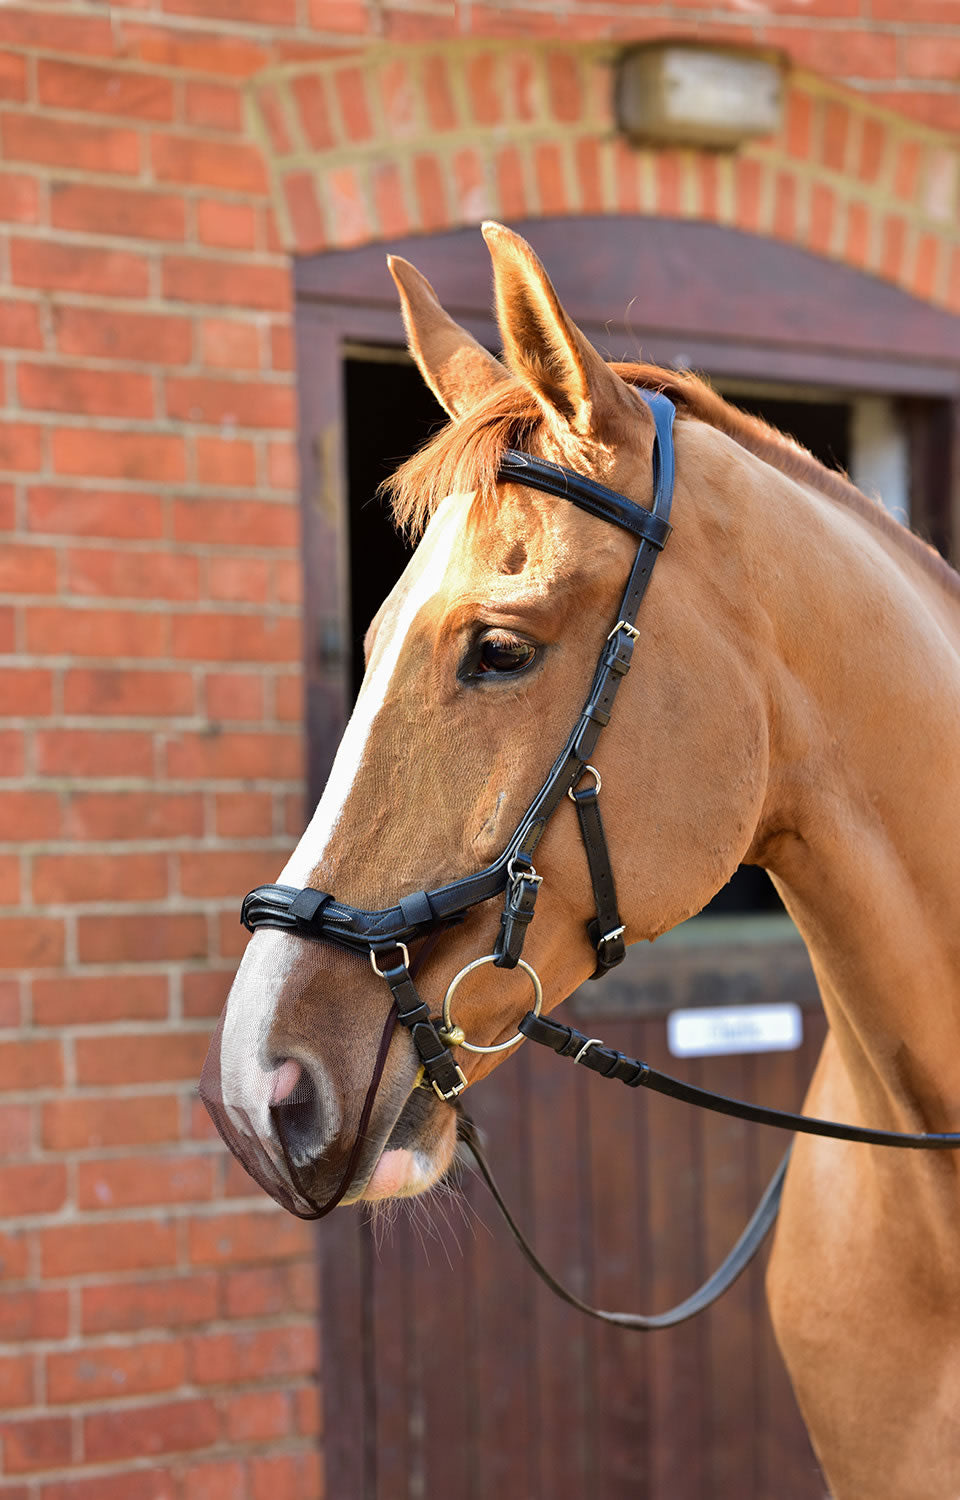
(611, 949)
(596, 714)
(308, 903)
(619, 653)
(515, 919)
(414, 1017)
(416, 909)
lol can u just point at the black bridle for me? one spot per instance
(384, 934)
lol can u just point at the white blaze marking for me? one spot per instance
(435, 550)
(270, 955)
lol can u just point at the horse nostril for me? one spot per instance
(288, 1076)
(296, 1115)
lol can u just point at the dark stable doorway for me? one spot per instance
(390, 413)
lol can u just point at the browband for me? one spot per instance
(608, 505)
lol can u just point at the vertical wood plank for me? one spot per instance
(503, 1405)
(617, 1170)
(730, 1371)
(391, 1266)
(561, 1238)
(784, 1457)
(678, 1460)
(325, 540)
(436, 1288)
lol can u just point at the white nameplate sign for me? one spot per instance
(715, 1030)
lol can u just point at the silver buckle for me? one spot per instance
(455, 1091)
(593, 772)
(608, 937)
(373, 958)
(631, 630)
(593, 1041)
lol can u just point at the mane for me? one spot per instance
(465, 455)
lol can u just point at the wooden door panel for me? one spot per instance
(479, 1384)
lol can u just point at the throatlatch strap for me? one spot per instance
(566, 1041)
(606, 931)
(713, 1288)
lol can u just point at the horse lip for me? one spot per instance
(412, 1103)
(370, 1154)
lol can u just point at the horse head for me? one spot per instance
(476, 666)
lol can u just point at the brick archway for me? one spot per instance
(382, 145)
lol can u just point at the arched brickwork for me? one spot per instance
(378, 146)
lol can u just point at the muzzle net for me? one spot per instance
(280, 1143)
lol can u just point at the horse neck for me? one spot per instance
(861, 827)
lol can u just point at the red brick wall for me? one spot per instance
(156, 1330)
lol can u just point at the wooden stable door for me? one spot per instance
(450, 1373)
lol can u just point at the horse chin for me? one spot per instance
(400, 1173)
(419, 1151)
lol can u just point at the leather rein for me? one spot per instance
(384, 934)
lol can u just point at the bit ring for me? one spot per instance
(448, 1026)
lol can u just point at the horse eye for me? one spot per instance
(504, 653)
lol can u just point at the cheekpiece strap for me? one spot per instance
(440, 1069)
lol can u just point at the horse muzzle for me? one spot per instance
(294, 1134)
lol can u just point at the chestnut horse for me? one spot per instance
(794, 704)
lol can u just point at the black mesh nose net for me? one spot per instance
(289, 1145)
(275, 1142)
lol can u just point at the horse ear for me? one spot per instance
(457, 369)
(545, 348)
